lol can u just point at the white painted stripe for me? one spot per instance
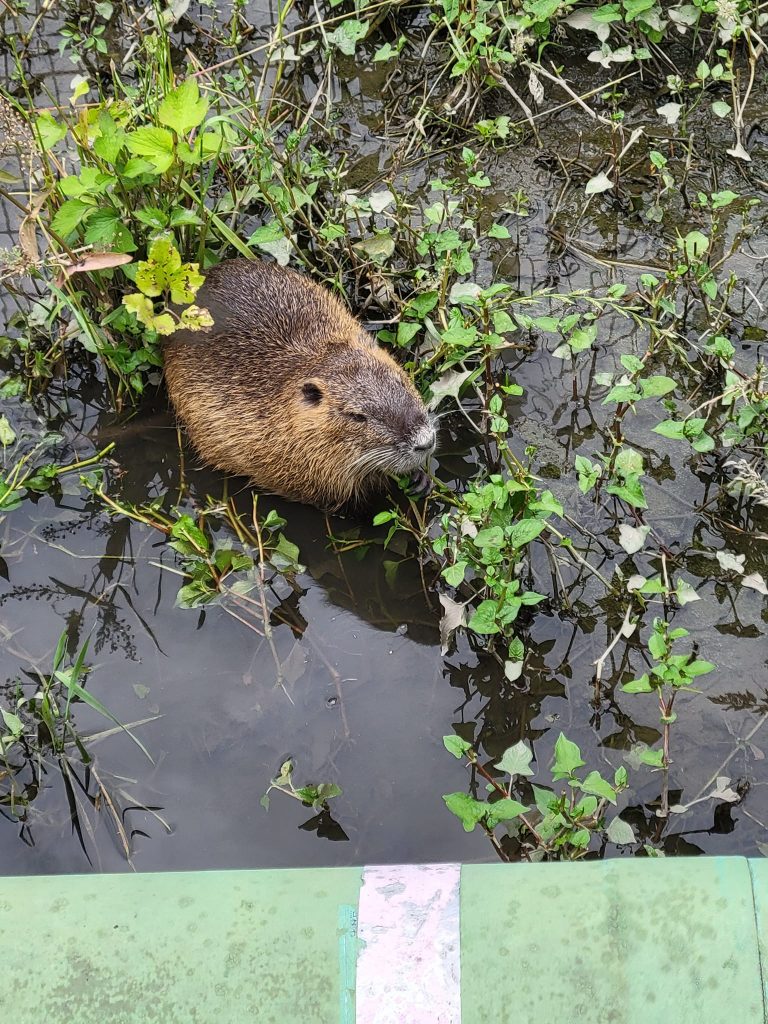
(408, 967)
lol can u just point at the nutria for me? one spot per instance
(287, 388)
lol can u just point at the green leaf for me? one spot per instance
(454, 574)
(7, 433)
(655, 758)
(582, 338)
(490, 537)
(12, 722)
(156, 144)
(622, 393)
(634, 8)
(504, 810)
(420, 305)
(548, 324)
(620, 778)
(142, 307)
(384, 517)
(498, 231)
(655, 387)
(671, 429)
(484, 618)
(458, 335)
(567, 758)
(580, 838)
(154, 273)
(504, 324)
(620, 832)
(699, 668)
(50, 130)
(721, 199)
(111, 138)
(406, 331)
(135, 167)
(631, 363)
(630, 491)
(152, 216)
(694, 245)
(468, 810)
(181, 216)
(524, 531)
(69, 215)
(586, 807)
(184, 108)
(629, 461)
(347, 35)
(186, 530)
(657, 645)
(516, 760)
(685, 593)
(457, 746)
(705, 443)
(388, 51)
(516, 649)
(641, 685)
(379, 247)
(595, 783)
(588, 472)
(105, 227)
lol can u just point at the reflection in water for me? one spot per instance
(356, 690)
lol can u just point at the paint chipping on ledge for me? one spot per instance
(409, 966)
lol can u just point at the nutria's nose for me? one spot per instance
(424, 439)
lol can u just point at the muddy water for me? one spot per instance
(367, 694)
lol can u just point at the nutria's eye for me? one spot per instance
(357, 417)
(311, 393)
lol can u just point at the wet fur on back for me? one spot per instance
(288, 389)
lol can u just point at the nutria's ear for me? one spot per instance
(312, 392)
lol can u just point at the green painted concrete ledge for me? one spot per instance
(629, 941)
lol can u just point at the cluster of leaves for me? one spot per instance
(671, 674)
(562, 822)
(482, 545)
(39, 739)
(39, 727)
(206, 564)
(313, 794)
(123, 166)
(27, 474)
(164, 274)
(145, 168)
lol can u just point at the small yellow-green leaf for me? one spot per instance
(195, 318)
(156, 272)
(164, 324)
(141, 306)
(184, 282)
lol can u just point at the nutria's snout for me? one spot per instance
(422, 443)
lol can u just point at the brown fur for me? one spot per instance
(247, 391)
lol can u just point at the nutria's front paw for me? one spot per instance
(419, 484)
